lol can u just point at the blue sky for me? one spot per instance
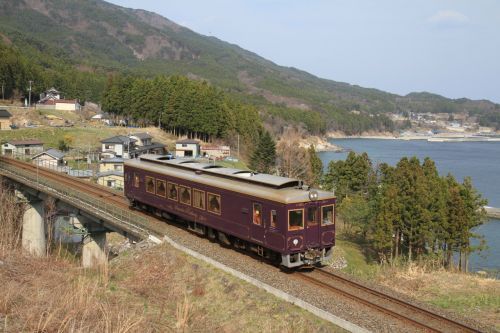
(449, 47)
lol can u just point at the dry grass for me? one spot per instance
(154, 290)
(10, 219)
(474, 296)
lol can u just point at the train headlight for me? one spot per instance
(295, 241)
(313, 195)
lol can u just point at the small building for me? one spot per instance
(187, 148)
(142, 139)
(5, 120)
(111, 173)
(113, 179)
(130, 146)
(117, 146)
(111, 164)
(22, 148)
(50, 94)
(217, 152)
(51, 158)
(51, 100)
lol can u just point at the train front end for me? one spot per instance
(310, 237)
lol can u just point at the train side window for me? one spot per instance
(274, 219)
(257, 214)
(214, 203)
(185, 195)
(327, 215)
(150, 185)
(172, 191)
(312, 216)
(296, 219)
(137, 180)
(161, 188)
(199, 199)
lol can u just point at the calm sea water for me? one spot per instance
(479, 160)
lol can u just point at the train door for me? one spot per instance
(257, 223)
(312, 225)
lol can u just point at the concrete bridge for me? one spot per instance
(91, 208)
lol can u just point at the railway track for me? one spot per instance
(81, 185)
(408, 313)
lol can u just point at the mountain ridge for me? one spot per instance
(102, 37)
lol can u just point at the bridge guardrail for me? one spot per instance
(131, 222)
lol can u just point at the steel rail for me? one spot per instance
(385, 303)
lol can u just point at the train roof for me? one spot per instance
(276, 188)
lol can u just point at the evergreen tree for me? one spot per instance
(264, 157)
(475, 215)
(316, 167)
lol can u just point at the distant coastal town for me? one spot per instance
(433, 127)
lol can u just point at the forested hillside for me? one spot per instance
(75, 45)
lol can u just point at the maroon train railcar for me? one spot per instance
(269, 213)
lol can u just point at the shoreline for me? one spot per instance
(429, 138)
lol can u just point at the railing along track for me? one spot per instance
(105, 204)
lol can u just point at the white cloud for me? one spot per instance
(448, 18)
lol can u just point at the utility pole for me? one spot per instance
(29, 98)
(3, 91)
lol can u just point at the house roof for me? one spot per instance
(110, 173)
(119, 139)
(112, 160)
(26, 142)
(57, 154)
(52, 90)
(154, 145)
(5, 114)
(215, 148)
(188, 141)
(142, 135)
(66, 101)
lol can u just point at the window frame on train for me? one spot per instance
(176, 187)
(295, 228)
(150, 180)
(219, 202)
(202, 195)
(333, 215)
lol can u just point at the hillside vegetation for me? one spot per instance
(74, 45)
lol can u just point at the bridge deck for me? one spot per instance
(106, 205)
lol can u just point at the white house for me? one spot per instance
(117, 146)
(22, 148)
(187, 148)
(130, 146)
(51, 100)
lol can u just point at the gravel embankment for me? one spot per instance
(287, 282)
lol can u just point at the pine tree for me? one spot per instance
(264, 156)
(316, 167)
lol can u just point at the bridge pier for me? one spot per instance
(33, 235)
(94, 250)
(94, 242)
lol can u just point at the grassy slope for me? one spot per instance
(471, 295)
(159, 290)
